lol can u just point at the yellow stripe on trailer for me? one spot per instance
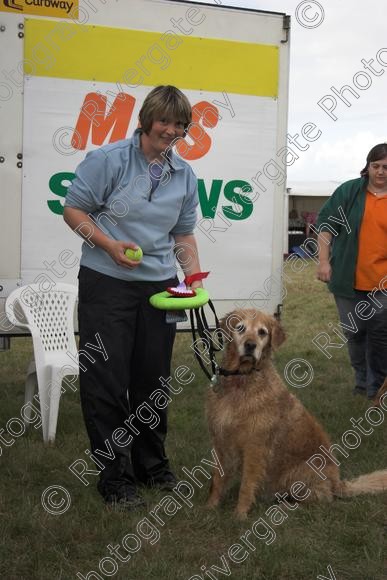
(136, 57)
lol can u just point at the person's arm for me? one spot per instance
(328, 224)
(187, 255)
(324, 270)
(80, 222)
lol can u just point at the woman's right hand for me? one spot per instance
(116, 250)
(324, 271)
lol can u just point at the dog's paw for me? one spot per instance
(240, 515)
(212, 504)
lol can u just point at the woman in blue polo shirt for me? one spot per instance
(134, 192)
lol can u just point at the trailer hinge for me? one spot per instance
(286, 28)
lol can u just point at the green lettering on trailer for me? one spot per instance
(238, 198)
(209, 203)
(58, 188)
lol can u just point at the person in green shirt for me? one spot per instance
(352, 242)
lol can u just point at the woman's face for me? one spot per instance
(161, 136)
(377, 173)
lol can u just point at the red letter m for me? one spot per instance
(93, 117)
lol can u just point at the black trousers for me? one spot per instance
(137, 345)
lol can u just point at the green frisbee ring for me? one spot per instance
(164, 301)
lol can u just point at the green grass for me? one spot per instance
(346, 535)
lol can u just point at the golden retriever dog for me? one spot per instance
(260, 428)
(378, 397)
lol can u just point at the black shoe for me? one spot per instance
(124, 499)
(165, 482)
(362, 391)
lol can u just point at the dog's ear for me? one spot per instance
(223, 323)
(230, 321)
(278, 335)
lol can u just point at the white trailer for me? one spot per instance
(73, 76)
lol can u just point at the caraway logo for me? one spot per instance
(57, 8)
(12, 4)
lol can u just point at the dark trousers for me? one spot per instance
(367, 346)
(138, 345)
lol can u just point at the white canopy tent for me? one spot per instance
(305, 196)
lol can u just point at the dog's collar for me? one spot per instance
(221, 372)
(227, 373)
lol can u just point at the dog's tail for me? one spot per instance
(381, 394)
(375, 482)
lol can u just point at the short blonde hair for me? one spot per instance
(165, 101)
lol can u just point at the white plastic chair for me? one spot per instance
(49, 316)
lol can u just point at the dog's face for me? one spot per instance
(253, 334)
